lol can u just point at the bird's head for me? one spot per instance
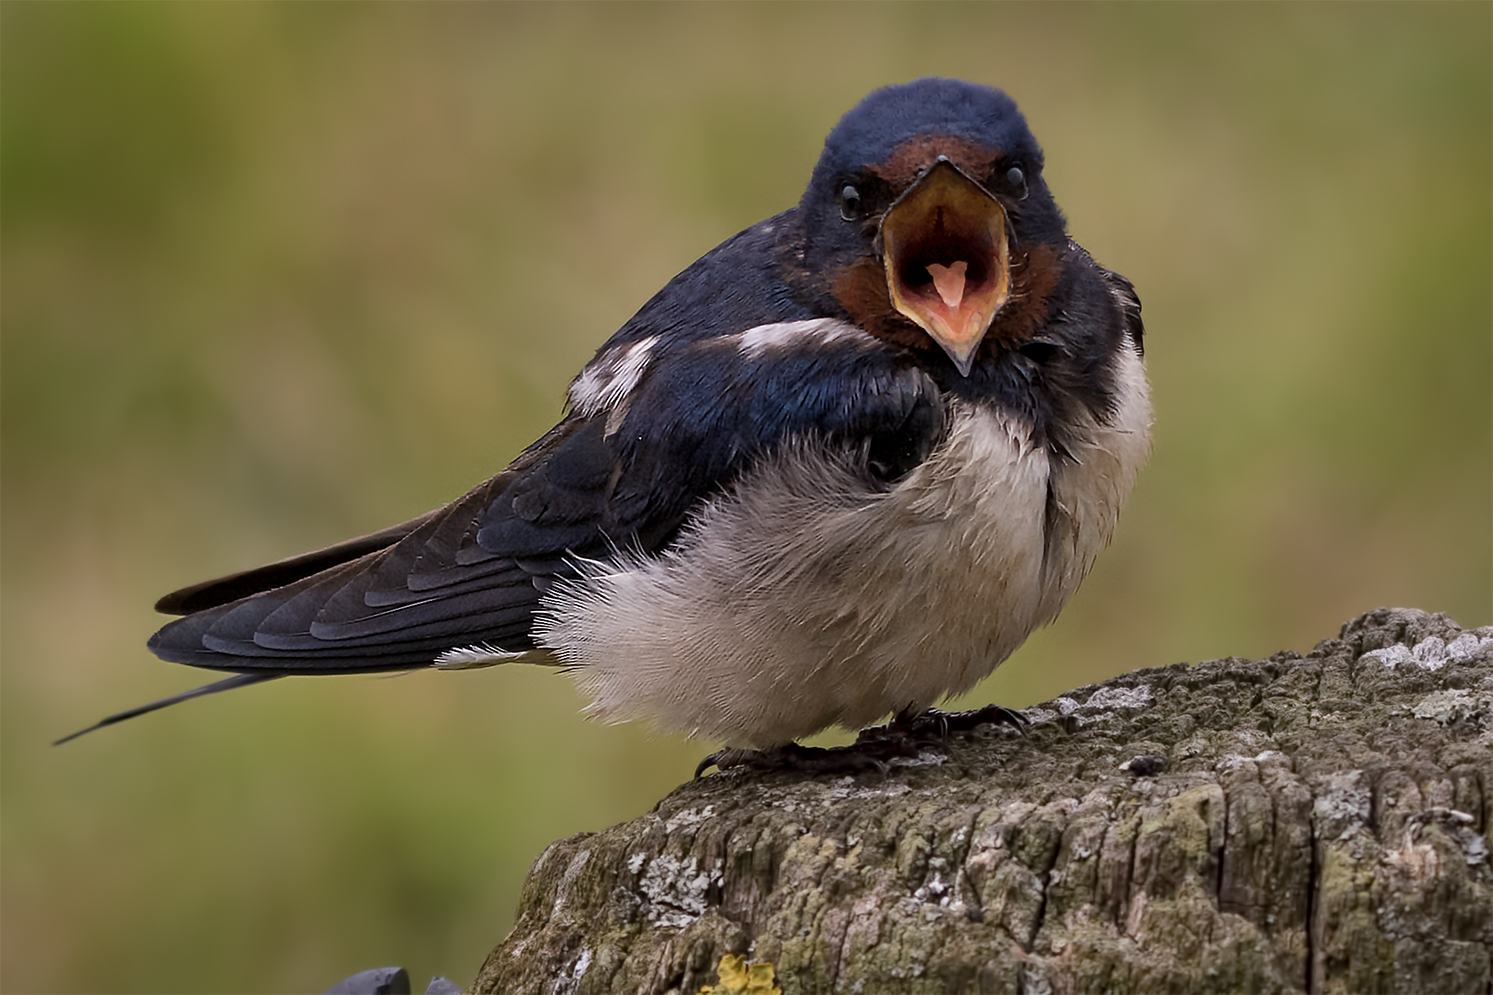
(928, 221)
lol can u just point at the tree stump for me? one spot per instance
(1299, 823)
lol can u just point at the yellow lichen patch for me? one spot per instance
(737, 977)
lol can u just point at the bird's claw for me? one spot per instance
(811, 760)
(932, 726)
(949, 722)
(874, 749)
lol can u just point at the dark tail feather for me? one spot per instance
(222, 590)
(227, 684)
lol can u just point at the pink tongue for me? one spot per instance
(949, 282)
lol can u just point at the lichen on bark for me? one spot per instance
(1313, 822)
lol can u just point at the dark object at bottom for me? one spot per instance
(906, 736)
(1146, 766)
(374, 981)
(390, 981)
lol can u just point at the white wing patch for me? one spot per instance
(785, 335)
(607, 380)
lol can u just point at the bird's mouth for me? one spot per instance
(947, 261)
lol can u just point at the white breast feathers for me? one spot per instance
(806, 598)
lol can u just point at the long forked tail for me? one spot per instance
(227, 684)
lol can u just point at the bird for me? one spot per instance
(837, 469)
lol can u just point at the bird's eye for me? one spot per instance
(1016, 180)
(850, 203)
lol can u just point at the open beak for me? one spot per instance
(947, 262)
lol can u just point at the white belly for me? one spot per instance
(804, 599)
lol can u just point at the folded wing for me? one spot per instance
(398, 598)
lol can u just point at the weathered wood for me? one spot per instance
(1321, 823)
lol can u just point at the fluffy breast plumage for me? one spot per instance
(808, 596)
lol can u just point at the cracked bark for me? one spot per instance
(1321, 824)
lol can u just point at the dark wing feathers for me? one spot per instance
(221, 590)
(398, 605)
(474, 571)
(494, 573)
(702, 413)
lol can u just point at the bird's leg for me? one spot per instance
(873, 749)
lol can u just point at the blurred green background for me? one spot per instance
(279, 274)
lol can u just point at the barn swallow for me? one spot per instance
(838, 468)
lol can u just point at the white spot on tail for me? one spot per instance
(471, 657)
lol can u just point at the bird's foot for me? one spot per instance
(934, 725)
(906, 736)
(839, 760)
